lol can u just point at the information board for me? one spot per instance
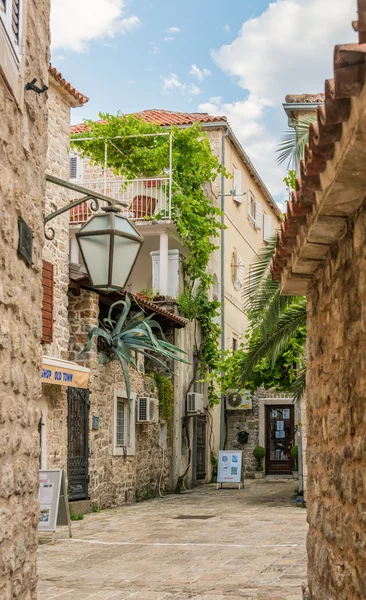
(52, 496)
(230, 465)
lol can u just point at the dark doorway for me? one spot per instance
(200, 447)
(279, 439)
(78, 434)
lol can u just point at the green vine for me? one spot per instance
(166, 399)
(195, 216)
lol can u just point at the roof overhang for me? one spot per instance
(332, 186)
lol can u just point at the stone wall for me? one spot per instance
(23, 144)
(336, 420)
(115, 480)
(57, 250)
(244, 420)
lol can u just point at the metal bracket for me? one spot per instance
(31, 86)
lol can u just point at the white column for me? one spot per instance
(164, 257)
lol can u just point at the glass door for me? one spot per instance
(279, 439)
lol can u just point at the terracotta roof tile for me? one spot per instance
(348, 82)
(67, 86)
(163, 118)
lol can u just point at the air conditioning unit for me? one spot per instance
(194, 403)
(238, 400)
(147, 410)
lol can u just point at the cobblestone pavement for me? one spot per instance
(252, 546)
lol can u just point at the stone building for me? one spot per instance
(24, 48)
(87, 427)
(251, 218)
(321, 254)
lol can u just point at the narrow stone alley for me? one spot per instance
(203, 545)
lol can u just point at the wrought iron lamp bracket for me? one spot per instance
(95, 197)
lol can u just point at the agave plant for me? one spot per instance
(275, 319)
(126, 337)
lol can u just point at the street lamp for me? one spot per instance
(108, 242)
(109, 245)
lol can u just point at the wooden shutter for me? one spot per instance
(47, 303)
(258, 215)
(73, 167)
(238, 186)
(267, 228)
(15, 19)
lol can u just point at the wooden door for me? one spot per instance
(279, 439)
(78, 442)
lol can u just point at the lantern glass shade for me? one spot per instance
(109, 244)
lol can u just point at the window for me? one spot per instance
(10, 14)
(267, 228)
(11, 25)
(76, 168)
(234, 265)
(238, 185)
(255, 211)
(124, 424)
(234, 344)
(237, 270)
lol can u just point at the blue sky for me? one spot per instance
(236, 57)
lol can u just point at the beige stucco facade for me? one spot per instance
(23, 139)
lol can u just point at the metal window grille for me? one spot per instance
(123, 419)
(15, 19)
(143, 409)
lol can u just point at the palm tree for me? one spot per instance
(292, 146)
(124, 338)
(274, 319)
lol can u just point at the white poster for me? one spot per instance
(229, 469)
(280, 425)
(49, 496)
(286, 413)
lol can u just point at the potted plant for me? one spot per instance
(259, 453)
(147, 294)
(294, 455)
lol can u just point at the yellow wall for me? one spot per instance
(242, 236)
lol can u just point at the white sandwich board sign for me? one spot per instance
(52, 496)
(230, 466)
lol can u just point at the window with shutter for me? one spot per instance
(124, 424)
(47, 302)
(238, 186)
(234, 266)
(251, 206)
(267, 228)
(15, 18)
(73, 167)
(258, 215)
(2, 5)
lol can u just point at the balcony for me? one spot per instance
(141, 199)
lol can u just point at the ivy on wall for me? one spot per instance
(195, 215)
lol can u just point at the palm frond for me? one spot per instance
(271, 344)
(299, 385)
(292, 146)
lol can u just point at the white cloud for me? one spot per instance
(227, 28)
(173, 30)
(75, 24)
(153, 48)
(199, 73)
(169, 39)
(172, 82)
(287, 49)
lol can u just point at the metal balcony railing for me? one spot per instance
(143, 199)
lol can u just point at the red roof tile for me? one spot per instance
(164, 118)
(349, 79)
(67, 86)
(305, 98)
